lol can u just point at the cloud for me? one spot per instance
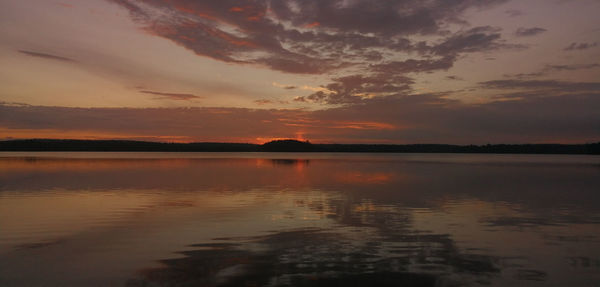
(549, 68)
(580, 46)
(557, 116)
(358, 44)
(478, 39)
(565, 86)
(527, 32)
(172, 96)
(389, 78)
(514, 12)
(383, 18)
(572, 67)
(261, 102)
(46, 56)
(413, 66)
(313, 36)
(523, 88)
(287, 87)
(356, 89)
(454, 78)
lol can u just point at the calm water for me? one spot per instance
(257, 219)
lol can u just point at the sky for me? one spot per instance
(328, 71)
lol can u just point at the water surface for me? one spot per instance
(260, 219)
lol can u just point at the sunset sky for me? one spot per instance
(329, 71)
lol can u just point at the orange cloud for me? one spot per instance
(312, 25)
(193, 11)
(229, 38)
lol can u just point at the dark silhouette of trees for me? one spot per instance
(289, 146)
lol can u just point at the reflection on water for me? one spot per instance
(298, 219)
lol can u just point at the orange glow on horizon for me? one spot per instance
(318, 134)
(85, 135)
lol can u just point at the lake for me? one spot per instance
(299, 219)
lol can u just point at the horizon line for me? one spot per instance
(287, 139)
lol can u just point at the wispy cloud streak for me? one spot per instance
(46, 56)
(172, 96)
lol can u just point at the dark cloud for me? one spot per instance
(387, 78)
(301, 99)
(434, 118)
(522, 76)
(527, 32)
(570, 87)
(572, 67)
(382, 17)
(580, 46)
(355, 89)
(388, 17)
(413, 66)
(454, 78)
(428, 118)
(514, 12)
(286, 87)
(300, 64)
(312, 36)
(325, 37)
(478, 39)
(46, 56)
(523, 88)
(172, 96)
(553, 68)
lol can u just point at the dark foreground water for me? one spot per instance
(244, 219)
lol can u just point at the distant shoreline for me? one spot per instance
(288, 146)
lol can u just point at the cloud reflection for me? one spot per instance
(406, 219)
